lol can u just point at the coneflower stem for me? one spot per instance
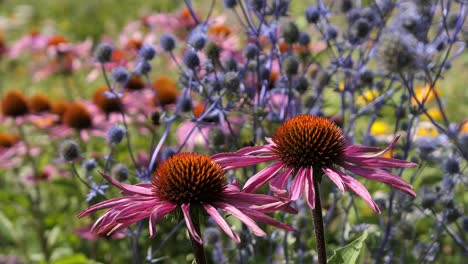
(318, 226)
(198, 249)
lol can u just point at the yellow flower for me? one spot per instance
(379, 128)
(367, 97)
(434, 113)
(426, 129)
(425, 93)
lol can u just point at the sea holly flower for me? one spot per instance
(309, 146)
(192, 183)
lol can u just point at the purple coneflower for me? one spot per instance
(193, 183)
(308, 146)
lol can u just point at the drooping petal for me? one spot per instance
(335, 178)
(379, 162)
(309, 188)
(297, 184)
(392, 144)
(242, 217)
(127, 188)
(221, 222)
(261, 177)
(279, 183)
(112, 203)
(360, 190)
(157, 213)
(382, 176)
(233, 161)
(258, 216)
(189, 223)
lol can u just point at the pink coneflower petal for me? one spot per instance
(268, 220)
(221, 222)
(188, 221)
(183, 181)
(305, 144)
(392, 144)
(242, 217)
(255, 150)
(360, 190)
(382, 176)
(309, 189)
(335, 177)
(297, 185)
(157, 213)
(380, 162)
(127, 188)
(234, 161)
(261, 177)
(279, 183)
(358, 149)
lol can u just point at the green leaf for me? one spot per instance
(348, 254)
(72, 259)
(7, 230)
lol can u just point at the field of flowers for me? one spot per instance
(234, 131)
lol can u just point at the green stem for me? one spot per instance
(318, 226)
(198, 250)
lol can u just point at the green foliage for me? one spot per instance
(349, 254)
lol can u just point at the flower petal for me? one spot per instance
(279, 183)
(334, 177)
(309, 188)
(157, 213)
(379, 162)
(382, 176)
(392, 144)
(242, 217)
(297, 184)
(221, 222)
(127, 188)
(261, 177)
(360, 190)
(189, 223)
(233, 161)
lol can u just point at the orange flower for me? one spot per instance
(220, 30)
(166, 91)
(39, 103)
(77, 116)
(7, 140)
(107, 105)
(15, 104)
(56, 40)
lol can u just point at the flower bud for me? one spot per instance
(230, 3)
(291, 65)
(116, 134)
(69, 150)
(167, 42)
(103, 52)
(120, 172)
(191, 59)
(290, 33)
(304, 39)
(120, 75)
(212, 51)
(312, 14)
(250, 51)
(147, 52)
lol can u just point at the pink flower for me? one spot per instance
(32, 42)
(188, 182)
(84, 118)
(308, 146)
